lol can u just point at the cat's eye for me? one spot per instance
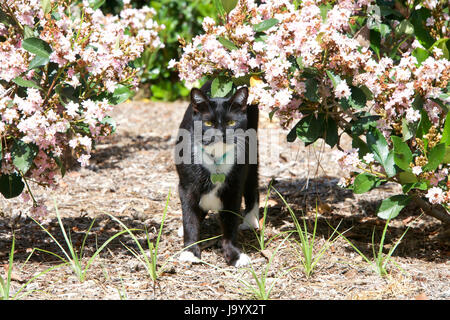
(208, 123)
(231, 123)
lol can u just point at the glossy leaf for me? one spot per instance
(391, 207)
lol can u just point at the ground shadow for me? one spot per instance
(29, 235)
(304, 196)
(301, 196)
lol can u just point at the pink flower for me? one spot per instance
(342, 90)
(84, 159)
(435, 195)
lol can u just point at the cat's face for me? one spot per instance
(220, 119)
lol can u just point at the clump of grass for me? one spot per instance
(149, 261)
(70, 255)
(262, 290)
(380, 260)
(307, 253)
(5, 284)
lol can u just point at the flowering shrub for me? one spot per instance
(377, 71)
(63, 65)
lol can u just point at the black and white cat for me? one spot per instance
(217, 165)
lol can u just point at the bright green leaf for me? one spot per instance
(364, 182)
(26, 83)
(37, 46)
(391, 207)
(265, 25)
(435, 157)
(220, 87)
(229, 5)
(420, 54)
(402, 153)
(96, 4)
(46, 6)
(310, 128)
(378, 145)
(23, 155)
(227, 43)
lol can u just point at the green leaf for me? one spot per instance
(96, 4)
(435, 157)
(331, 135)
(292, 135)
(446, 132)
(378, 145)
(417, 185)
(27, 32)
(442, 44)
(121, 94)
(38, 62)
(265, 25)
(46, 6)
(384, 29)
(424, 124)
(23, 155)
(37, 46)
(405, 27)
(420, 54)
(391, 207)
(417, 19)
(220, 87)
(310, 128)
(229, 5)
(357, 99)
(363, 122)
(359, 144)
(364, 182)
(11, 185)
(407, 177)
(408, 129)
(447, 155)
(219, 7)
(111, 122)
(26, 83)
(335, 79)
(227, 43)
(402, 154)
(312, 87)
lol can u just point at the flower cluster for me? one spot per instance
(298, 39)
(63, 65)
(343, 65)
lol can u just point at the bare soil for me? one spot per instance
(130, 176)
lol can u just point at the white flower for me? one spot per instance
(417, 170)
(412, 115)
(369, 158)
(342, 90)
(435, 195)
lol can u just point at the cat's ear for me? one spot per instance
(199, 100)
(239, 99)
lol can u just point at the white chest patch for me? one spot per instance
(217, 158)
(211, 201)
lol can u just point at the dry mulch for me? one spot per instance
(130, 176)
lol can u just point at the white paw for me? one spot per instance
(243, 261)
(251, 219)
(187, 256)
(180, 231)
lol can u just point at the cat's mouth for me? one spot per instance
(218, 150)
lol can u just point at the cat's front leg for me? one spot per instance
(230, 222)
(192, 218)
